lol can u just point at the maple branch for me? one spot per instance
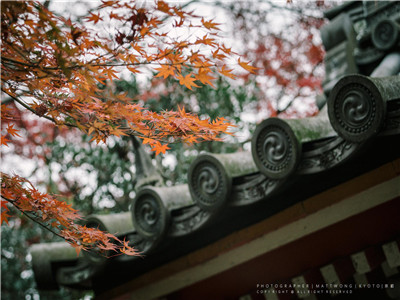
(26, 106)
(30, 217)
(90, 63)
(7, 199)
(16, 49)
(12, 63)
(85, 65)
(22, 124)
(19, 101)
(33, 111)
(18, 62)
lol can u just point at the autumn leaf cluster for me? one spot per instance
(58, 69)
(57, 216)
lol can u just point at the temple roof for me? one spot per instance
(297, 168)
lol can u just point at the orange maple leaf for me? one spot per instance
(12, 131)
(111, 73)
(226, 50)
(205, 78)
(227, 72)
(117, 131)
(158, 148)
(133, 70)
(188, 81)
(164, 7)
(115, 16)
(165, 71)
(107, 3)
(182, 111)
(191, 139)
(138, 48)
(94, 18)
(210, 24)
(206, 41)
(218, 55)
(128, 250)
(4, 217)
(3, 203)
(247, 67)
(4, 140)
(148, 141)
(180, 23)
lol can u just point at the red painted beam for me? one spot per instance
(372, 227)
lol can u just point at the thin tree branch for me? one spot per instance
(30, 217)
(33, 111)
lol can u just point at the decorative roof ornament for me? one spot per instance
(151, 211)
(358, 105)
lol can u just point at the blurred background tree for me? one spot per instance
(281, 39)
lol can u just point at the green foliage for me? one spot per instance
(16, 276)
(109, 168)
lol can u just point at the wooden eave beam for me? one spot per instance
(304, 218)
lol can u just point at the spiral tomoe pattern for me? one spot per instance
(355, 108)
(274, 151)
(208, 184)
(385, 34)
(148, 215)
